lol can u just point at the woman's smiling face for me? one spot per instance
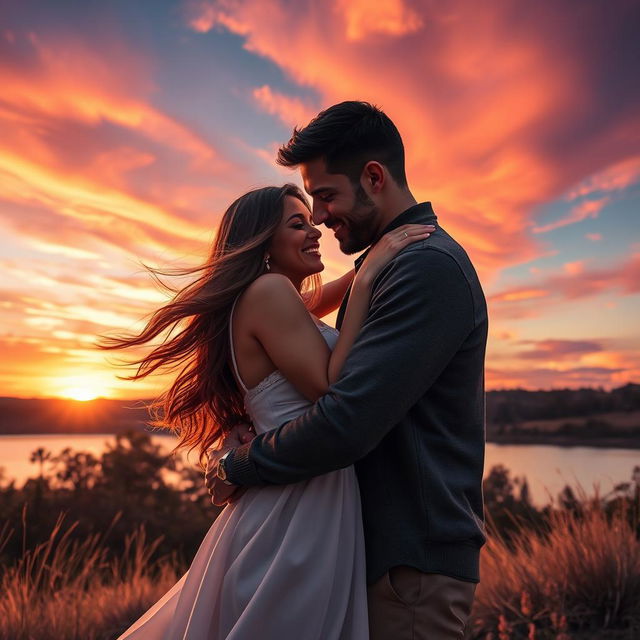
(294, 250)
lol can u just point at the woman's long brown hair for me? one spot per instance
(204, 400)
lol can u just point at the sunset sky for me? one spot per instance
(126, 128)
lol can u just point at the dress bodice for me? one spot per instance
(274, 400)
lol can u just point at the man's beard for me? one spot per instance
(361, 226)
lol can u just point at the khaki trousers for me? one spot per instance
(406, 604)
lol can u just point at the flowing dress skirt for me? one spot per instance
(282, 562)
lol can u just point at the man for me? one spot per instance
(408, 409)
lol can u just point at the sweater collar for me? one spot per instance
(421, 213)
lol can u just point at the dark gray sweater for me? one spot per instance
(408, 410)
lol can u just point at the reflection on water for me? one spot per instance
(547, 468)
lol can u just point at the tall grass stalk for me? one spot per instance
(581, 573)
(77, 590)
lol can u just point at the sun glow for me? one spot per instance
(81, 394)
(83, 388)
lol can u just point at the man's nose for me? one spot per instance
(319, 214)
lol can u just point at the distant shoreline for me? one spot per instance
(624, 442)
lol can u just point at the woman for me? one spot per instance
(282, 561)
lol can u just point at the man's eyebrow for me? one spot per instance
(318, 191)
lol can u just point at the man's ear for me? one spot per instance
(373, 177)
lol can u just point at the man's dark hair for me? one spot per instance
(347, 136)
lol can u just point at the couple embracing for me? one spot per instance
(350, 459)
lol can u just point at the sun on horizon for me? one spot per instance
(81, 394)
(82, 388)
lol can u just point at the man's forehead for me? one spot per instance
(316, 178)
(313, 170)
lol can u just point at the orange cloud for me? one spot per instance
(80, 141)
(33, 367)
(521, 294)
(384, 17)
(68, 80)
(79, 197)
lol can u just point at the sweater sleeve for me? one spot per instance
(420, 314)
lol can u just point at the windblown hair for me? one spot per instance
(347, 136)
(204, 400)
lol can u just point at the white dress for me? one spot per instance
(282, 562)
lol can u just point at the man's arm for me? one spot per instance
(421, 312)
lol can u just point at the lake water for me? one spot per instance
(547, 468)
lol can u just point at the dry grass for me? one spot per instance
(66, 590)
(581, 579)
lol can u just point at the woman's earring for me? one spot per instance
(266, 263)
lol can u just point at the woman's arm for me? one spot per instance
(354, 317)
(331, 295)
(286, 331)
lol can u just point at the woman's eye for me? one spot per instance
(298, 226)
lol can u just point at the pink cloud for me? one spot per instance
(574, 268)
(558, 349)
(616, 178)
(582, 211)
(576, 283)
(551, 378)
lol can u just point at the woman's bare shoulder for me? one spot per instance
(268, 284)
(272, 293)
